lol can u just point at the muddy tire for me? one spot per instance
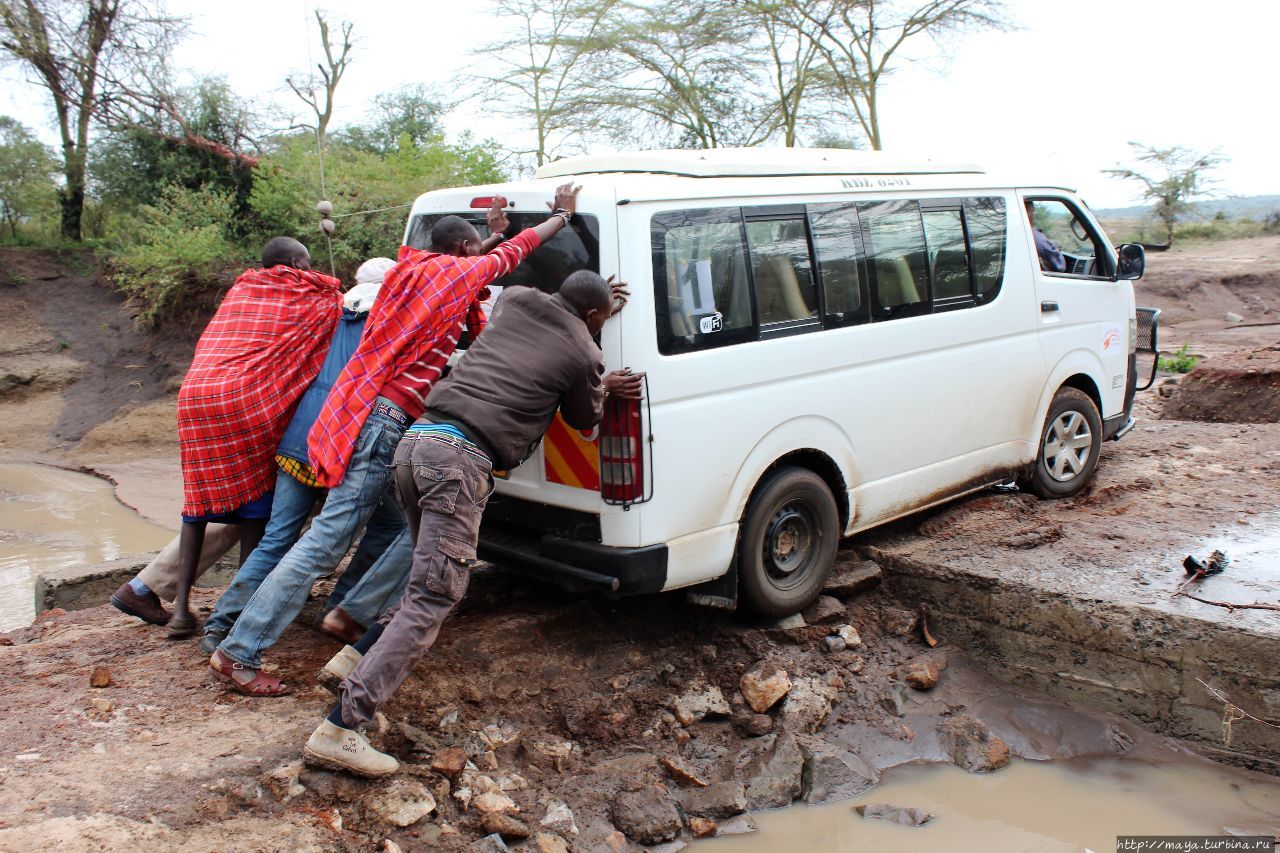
(788, 542)
(1070, 444)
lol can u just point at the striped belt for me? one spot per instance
(457, 443)
(392, 411)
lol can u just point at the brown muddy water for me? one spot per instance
(55, 521)
(1028, 806)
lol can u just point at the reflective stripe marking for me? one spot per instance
(570, 459)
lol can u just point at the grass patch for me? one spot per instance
(1180, 362)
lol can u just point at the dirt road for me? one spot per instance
(585, 712)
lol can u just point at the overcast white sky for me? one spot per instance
(1059, 97)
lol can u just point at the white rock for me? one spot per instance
(499, 734)
(808, 704)
(700, 700)
(1233, 317)
(560, 818)
(849, 634)
(491, 801)
(402, 803)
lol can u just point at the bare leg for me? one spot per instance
(250, 534)
(182, 623)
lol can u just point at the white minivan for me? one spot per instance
(832, 340)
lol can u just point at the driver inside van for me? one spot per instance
(1051, 259)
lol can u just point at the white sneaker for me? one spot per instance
(338, 668)
(336, 748)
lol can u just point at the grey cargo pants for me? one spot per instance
(443, 487)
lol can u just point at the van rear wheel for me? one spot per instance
(1070, 444)
(788, 542)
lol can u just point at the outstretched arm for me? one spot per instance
(506, 256)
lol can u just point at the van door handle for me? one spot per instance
(1048, 305)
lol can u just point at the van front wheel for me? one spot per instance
(788, 542)
(1069, 446)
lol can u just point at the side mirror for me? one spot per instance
(1133, 262)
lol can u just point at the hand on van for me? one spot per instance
(496, 216)
(623, 383)
(566, 198)
(618, 290)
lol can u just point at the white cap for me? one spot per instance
(368, 280)
(374, 270)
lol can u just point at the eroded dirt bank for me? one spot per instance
(602, 716)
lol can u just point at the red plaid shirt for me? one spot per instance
(414, 323)
(258, 354)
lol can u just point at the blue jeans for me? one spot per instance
(280, 598)
(371, 595)
(356, 588)
(289, 515)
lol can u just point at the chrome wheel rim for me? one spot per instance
(1068, 442)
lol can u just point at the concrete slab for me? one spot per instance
(79, 588)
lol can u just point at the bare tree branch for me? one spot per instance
(336, 61)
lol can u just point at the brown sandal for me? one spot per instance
(336, 623)
(261, 685)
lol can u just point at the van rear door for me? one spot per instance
(565, 470)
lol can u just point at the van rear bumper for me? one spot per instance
(626, 571)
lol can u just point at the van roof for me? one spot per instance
(751, 162)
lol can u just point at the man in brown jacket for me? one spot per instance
(538, 355)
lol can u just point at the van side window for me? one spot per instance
(985, 220)
(703, 294)
(948, 260)
(782, 273)
(896, 258)
(1083, 251)
(836, 243)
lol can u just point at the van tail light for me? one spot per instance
(622, 444)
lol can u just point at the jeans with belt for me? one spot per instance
(443, 487)
(280, 598)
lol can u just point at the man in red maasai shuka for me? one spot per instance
(258, 354)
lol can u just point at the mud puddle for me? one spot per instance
(54, 521)
(1028, 806)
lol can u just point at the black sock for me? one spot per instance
(335, 717)
(370, 637)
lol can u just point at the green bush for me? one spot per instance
(286, 188)
(1180, 362)
(175, 249)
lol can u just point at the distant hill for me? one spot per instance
(1233, 207)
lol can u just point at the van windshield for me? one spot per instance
(574, 248)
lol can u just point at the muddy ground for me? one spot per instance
(557, 700)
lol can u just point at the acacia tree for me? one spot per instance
(336, 61)
(790, 67)
(541, 64)
(1176, 177)
(205, 116)
(860, 40)
(72, 48)
(675, 72)
(408, 113)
